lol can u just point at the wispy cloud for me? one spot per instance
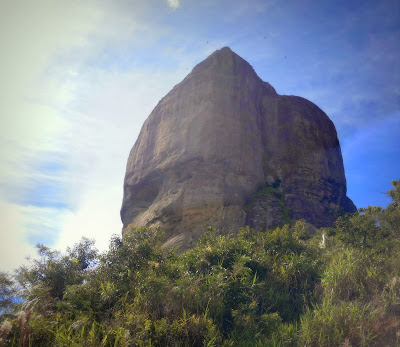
(23, 227)
(75, 96)
(173, 3)
(53, 129)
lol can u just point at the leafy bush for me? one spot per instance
(284, 287)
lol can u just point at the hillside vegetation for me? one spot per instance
(282, 287)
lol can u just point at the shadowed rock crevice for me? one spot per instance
(215, 139)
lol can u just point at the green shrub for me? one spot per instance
(282, 287)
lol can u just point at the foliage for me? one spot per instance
(373, 228)
(7, 293)
(44, 282)
(282, 287)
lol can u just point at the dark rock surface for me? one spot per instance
(215, 140)
(265, 213)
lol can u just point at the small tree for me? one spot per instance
(7, 293)
(46, 279)
(373, 228)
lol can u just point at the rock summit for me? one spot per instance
(223, 149)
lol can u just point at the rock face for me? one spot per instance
(218, 139)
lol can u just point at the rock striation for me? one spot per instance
(223, 149)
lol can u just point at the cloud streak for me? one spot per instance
(71, 120)
(41, 182)
(173, 3)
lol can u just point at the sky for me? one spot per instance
(79, 78)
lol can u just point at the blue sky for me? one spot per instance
(79, 79)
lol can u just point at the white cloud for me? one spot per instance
(97, 218)
(173, 3)
(14, 247)
(45, 50)
(63, 96)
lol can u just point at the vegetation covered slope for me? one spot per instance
(282, 287)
